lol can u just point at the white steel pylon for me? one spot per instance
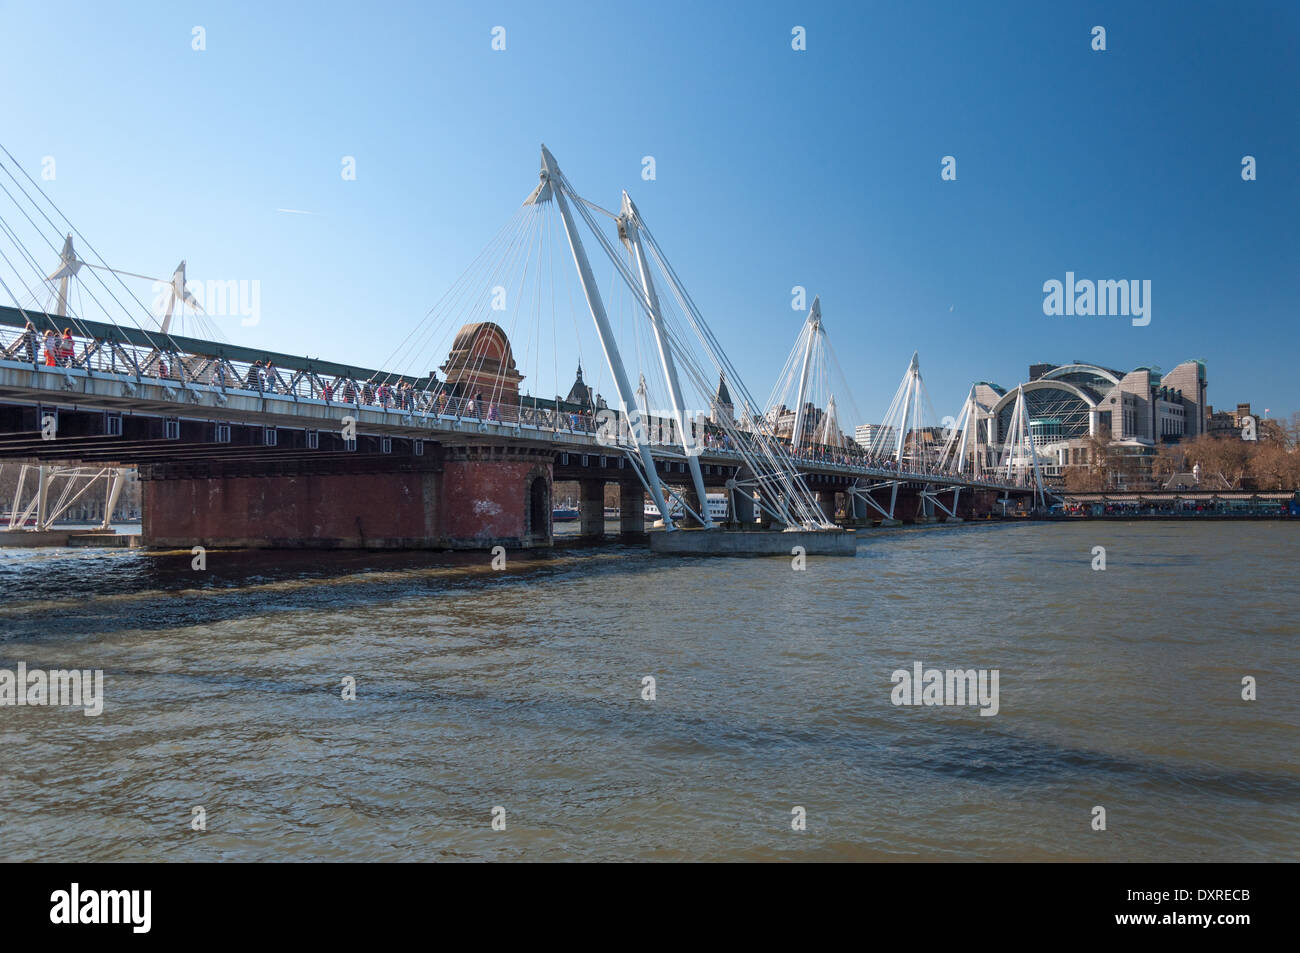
(961, 440)
(812, 330)
(69, 265)
(178, 292)
(829, 433)
(551, 187)
(903, 435)
(1020, 456)
(687, 360)
(629, 227)
(910, 411)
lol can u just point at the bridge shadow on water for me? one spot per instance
(55, 594)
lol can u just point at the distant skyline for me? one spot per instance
(774, 168)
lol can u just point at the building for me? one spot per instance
(1071, 406)
(1227, 423)
(868, 435)
(481, 362)
(580, 393)
(722, 407)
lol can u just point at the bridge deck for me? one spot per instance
(211, 383)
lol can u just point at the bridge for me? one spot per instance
(238, 447)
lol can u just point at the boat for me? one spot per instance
(564, 513)
(717, 507)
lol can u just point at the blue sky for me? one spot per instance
(775, 168)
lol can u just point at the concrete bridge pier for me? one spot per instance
(740, 507)
(695, 503)
(826, 500)
(858, 510)
(631, 511)
(771, 522)
(591, 509)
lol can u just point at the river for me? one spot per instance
(522, 689)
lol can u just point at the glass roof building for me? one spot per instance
(1068, 403)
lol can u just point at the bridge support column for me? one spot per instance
(454, 498)
(692, 498)
(631, 510)
(771, 522)
(826, 502)
(591, 509)
(858, 508)
(740, 506)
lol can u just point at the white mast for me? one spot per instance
(814, 326)
(69, 265)
(630, 232)
(551, 187)
(913, 372)
(178, 293)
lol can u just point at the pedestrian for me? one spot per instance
(67, 348)
(32, 341)
(51, 345)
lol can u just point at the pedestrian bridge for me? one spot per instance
(243, 447)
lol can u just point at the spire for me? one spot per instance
(723, 397)
(580, 393)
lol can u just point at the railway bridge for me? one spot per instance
(239, 447)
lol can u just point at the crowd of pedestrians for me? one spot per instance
(59, 350)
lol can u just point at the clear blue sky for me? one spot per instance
(775, 168)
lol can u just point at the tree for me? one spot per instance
(1169, 460)
(1291, 429)
(1272, 467)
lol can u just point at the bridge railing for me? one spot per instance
(399, 396)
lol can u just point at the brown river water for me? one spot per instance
(522, 689)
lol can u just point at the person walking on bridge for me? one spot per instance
(51, 345)
(32, 342)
